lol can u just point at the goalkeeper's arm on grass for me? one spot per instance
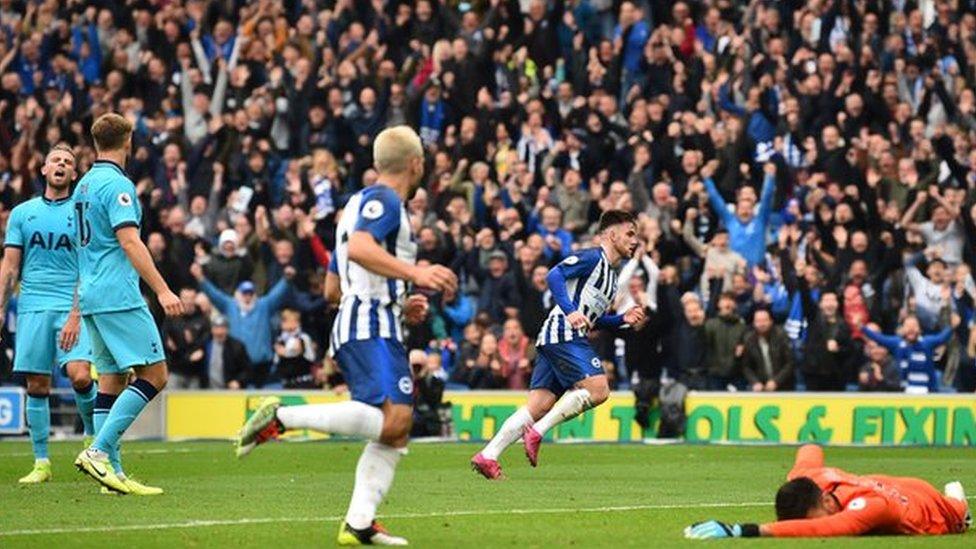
(845, 523)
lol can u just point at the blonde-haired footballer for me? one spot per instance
(374, 260)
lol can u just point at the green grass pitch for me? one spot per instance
(293, 495)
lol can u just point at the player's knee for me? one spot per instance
(396, 430)
(80, 374)
(38, 386)
(157, 375)
(536, 412)
(539, 404)
(599, 393)
(396, 433)
(160, 382)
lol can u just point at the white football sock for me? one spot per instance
(509, 433)
(572, 404)
(374, 475)
(343, 418)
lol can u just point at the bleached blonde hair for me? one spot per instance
(394, 147)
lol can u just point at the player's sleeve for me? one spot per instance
(578, 265)
(15, 236)
(120, 203)
(333, 264)
(609, 321)
(573, 266)
(809, 456)
(862, 515)
(379, 213)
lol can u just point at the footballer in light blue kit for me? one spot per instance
(373, 264)
(124, 336)
(583, 288)
(40, 246)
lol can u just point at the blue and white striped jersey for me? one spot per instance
(371, 304)
(586, 282)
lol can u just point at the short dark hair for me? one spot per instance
(610, 218)
(796, 498)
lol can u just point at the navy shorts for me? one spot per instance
(376, 370)
(559, 366)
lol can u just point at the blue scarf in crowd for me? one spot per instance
(796, 321)
(431, 121)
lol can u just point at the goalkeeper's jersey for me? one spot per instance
(871, 504)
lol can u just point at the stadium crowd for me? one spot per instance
(803, 173)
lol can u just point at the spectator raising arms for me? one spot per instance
(249, 318)
(816, 161)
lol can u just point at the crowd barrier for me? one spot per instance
(832, 418)
(870, 419)
(827, 418)
(476, 414)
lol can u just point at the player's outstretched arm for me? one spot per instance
(863, 515)
(9, 273)
(364, 250)
(633, 317)
(142, 261)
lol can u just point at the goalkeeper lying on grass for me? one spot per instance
(819, 501)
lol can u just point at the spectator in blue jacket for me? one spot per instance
(747, 228)
(759, 112)
(249, 317)
(85, 48)
(913, 353)
(459, 311)
(629, 38)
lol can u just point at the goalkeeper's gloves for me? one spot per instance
(714, 529)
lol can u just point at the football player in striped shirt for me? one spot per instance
(568, 377)
(374, 259)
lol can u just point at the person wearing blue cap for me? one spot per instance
(249, 317)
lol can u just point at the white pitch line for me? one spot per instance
(467, 513)
(463, 513)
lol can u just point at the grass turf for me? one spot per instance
(293, 494)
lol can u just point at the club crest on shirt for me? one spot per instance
(373, 209)
(571, 260)
(857, 504)
(406, 385)
(124, 199)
